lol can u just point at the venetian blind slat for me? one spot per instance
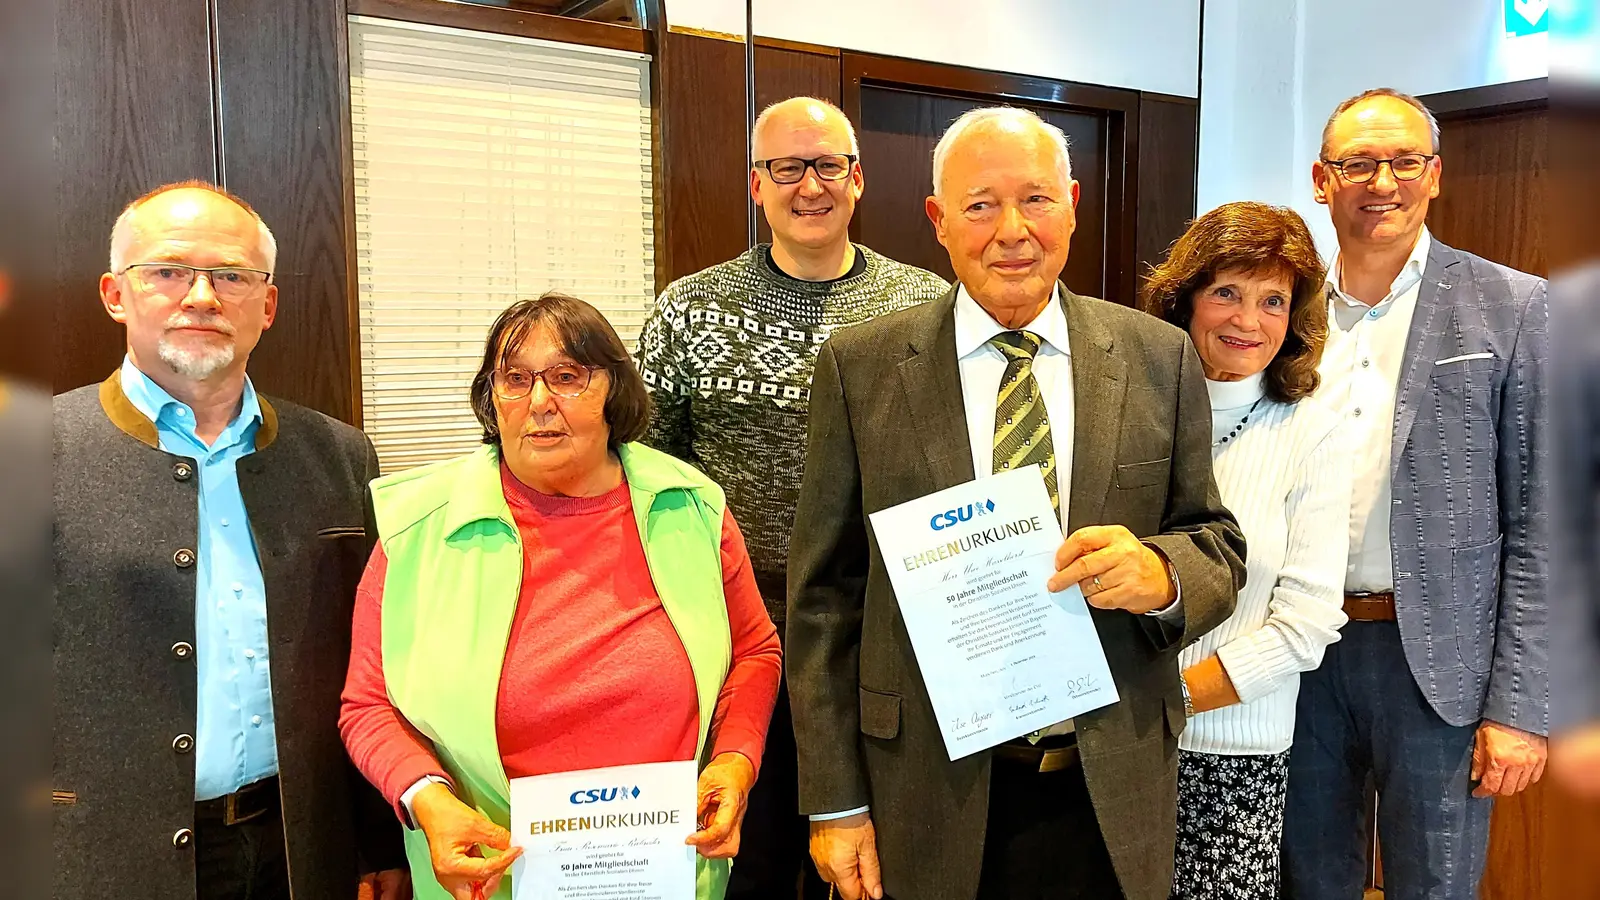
(488, 168)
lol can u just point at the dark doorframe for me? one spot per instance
(1489, 100)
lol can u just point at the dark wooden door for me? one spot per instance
(901, 108)
(1493, 198)
(898, 130)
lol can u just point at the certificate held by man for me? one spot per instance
(1001, 655)
(605, 834)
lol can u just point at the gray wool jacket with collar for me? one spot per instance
(126, 528)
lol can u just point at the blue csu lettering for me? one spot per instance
(951, 517)
(604, 795)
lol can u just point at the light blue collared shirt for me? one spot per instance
(234, 739)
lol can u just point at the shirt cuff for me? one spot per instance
(412, 792)
(1173, 614)
(828, 817)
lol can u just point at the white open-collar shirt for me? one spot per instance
(1361, 380)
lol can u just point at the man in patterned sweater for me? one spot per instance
(728, 354)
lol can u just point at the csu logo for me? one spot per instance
(604, 795)
(951, 517)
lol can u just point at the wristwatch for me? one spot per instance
(1188, 701)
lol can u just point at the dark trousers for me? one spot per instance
(1043, 841)
(1362, 721)
(774, 854)
(245, 861)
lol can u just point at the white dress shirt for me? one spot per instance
(1360, 381)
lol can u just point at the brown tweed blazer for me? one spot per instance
(887, 426)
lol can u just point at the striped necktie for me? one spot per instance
(1021, 425)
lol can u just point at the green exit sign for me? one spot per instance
(1525, 17)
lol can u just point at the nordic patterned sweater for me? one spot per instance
(727, 354)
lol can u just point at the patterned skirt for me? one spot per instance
(1230, 824)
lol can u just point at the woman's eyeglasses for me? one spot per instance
(563, 380)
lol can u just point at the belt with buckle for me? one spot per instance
(1041, 757)
(1370, 606)
(248, 803)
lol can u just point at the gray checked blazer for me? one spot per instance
(887, 426)
(1469, 529)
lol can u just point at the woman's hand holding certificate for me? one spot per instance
(723, 792)
(455, 831)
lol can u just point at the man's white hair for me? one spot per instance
(122, 232)
(766, 116)
(991, 115)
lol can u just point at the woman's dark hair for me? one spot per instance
(584, 335)
(1257, 238)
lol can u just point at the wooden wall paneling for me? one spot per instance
(702, 189)
(284, 78)
(28, 270)
(1169, 134)
(1516, 836)
(785, 70)
(1492, 198)
(1571, 836)
(133, 97)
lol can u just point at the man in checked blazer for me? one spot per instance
(911, 403)
(1438, 690)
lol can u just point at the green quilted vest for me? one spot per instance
(454, 575)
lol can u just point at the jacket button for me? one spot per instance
(183, 650)
(182, 471)
(183, 743)
(182, 838)
(184, 558)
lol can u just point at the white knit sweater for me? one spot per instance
(1285, 475)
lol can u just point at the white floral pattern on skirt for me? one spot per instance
(1230, 826)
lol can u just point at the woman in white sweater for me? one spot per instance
(1245, 281)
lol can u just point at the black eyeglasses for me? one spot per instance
(564, 380)
(1362, 169)
(176, 280)
(791, 169)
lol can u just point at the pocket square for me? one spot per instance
(1463, 358)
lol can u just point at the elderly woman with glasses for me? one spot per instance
(1246, 283)
(561, 599)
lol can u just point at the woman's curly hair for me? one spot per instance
(1254, 237)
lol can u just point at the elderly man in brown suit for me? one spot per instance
(1116, 409)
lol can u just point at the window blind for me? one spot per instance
(488, 168)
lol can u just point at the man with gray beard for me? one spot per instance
(207, 546)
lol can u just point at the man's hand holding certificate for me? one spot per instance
(1115, 570)
(1001, 654)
